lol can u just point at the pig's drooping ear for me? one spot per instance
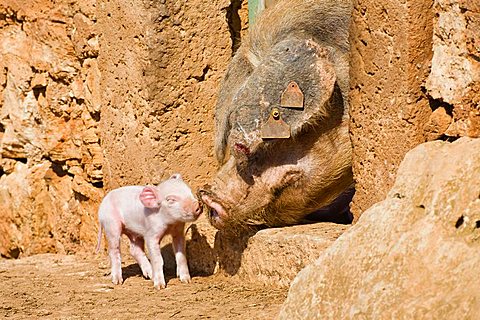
(149, 198)
(177, 176)
(318, 80)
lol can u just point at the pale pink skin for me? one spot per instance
(146, 214)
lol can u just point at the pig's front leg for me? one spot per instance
(153, 245)
(178, 242)
(137, 245)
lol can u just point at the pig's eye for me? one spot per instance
(171, 199)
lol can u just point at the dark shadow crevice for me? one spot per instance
(234, 24)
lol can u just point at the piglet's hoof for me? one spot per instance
(160, 286)
(185, 279)
(117, 279)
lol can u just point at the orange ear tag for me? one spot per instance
(275, 127)
(292, 97)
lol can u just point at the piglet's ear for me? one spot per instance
(149, 198)
(177, 176)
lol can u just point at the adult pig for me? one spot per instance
(147, 214)
(280, 161)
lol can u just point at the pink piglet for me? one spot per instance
(146, 214)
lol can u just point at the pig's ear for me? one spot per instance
(149, 198)
(318, 89)
(177, 176)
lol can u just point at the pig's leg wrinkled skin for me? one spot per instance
(153, 245)
(137, 245)
(178, 243)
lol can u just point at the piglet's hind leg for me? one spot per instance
(115, 259)
(178, 242)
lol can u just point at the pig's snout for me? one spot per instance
(194, 207)
(197, 208)
(216, 211)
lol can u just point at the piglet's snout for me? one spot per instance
(195, 208)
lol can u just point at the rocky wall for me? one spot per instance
(454, 80)
(50, 157)
(87, 88)
(114, 92)
(161, 63)
(414, 78)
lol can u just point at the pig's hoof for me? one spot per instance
(185, 278)
(147, 273)
(117, 280)
(160, 286)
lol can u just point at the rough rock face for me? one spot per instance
(402, 95)
(161, 62)
(275, 256)
(414, 255)
(50, 157)
(455, 75)
(271, 256)
(390, 55)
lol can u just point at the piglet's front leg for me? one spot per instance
(153, 245)
(178, 242)
(136, 249)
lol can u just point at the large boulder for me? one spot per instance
(414, 255)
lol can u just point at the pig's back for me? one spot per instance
(125, 195)
(122, 202)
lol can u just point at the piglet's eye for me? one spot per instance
(171, 199)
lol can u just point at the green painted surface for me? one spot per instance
(253, 10)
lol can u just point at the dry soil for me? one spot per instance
(51, 286)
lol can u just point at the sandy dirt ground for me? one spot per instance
(50, 286)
